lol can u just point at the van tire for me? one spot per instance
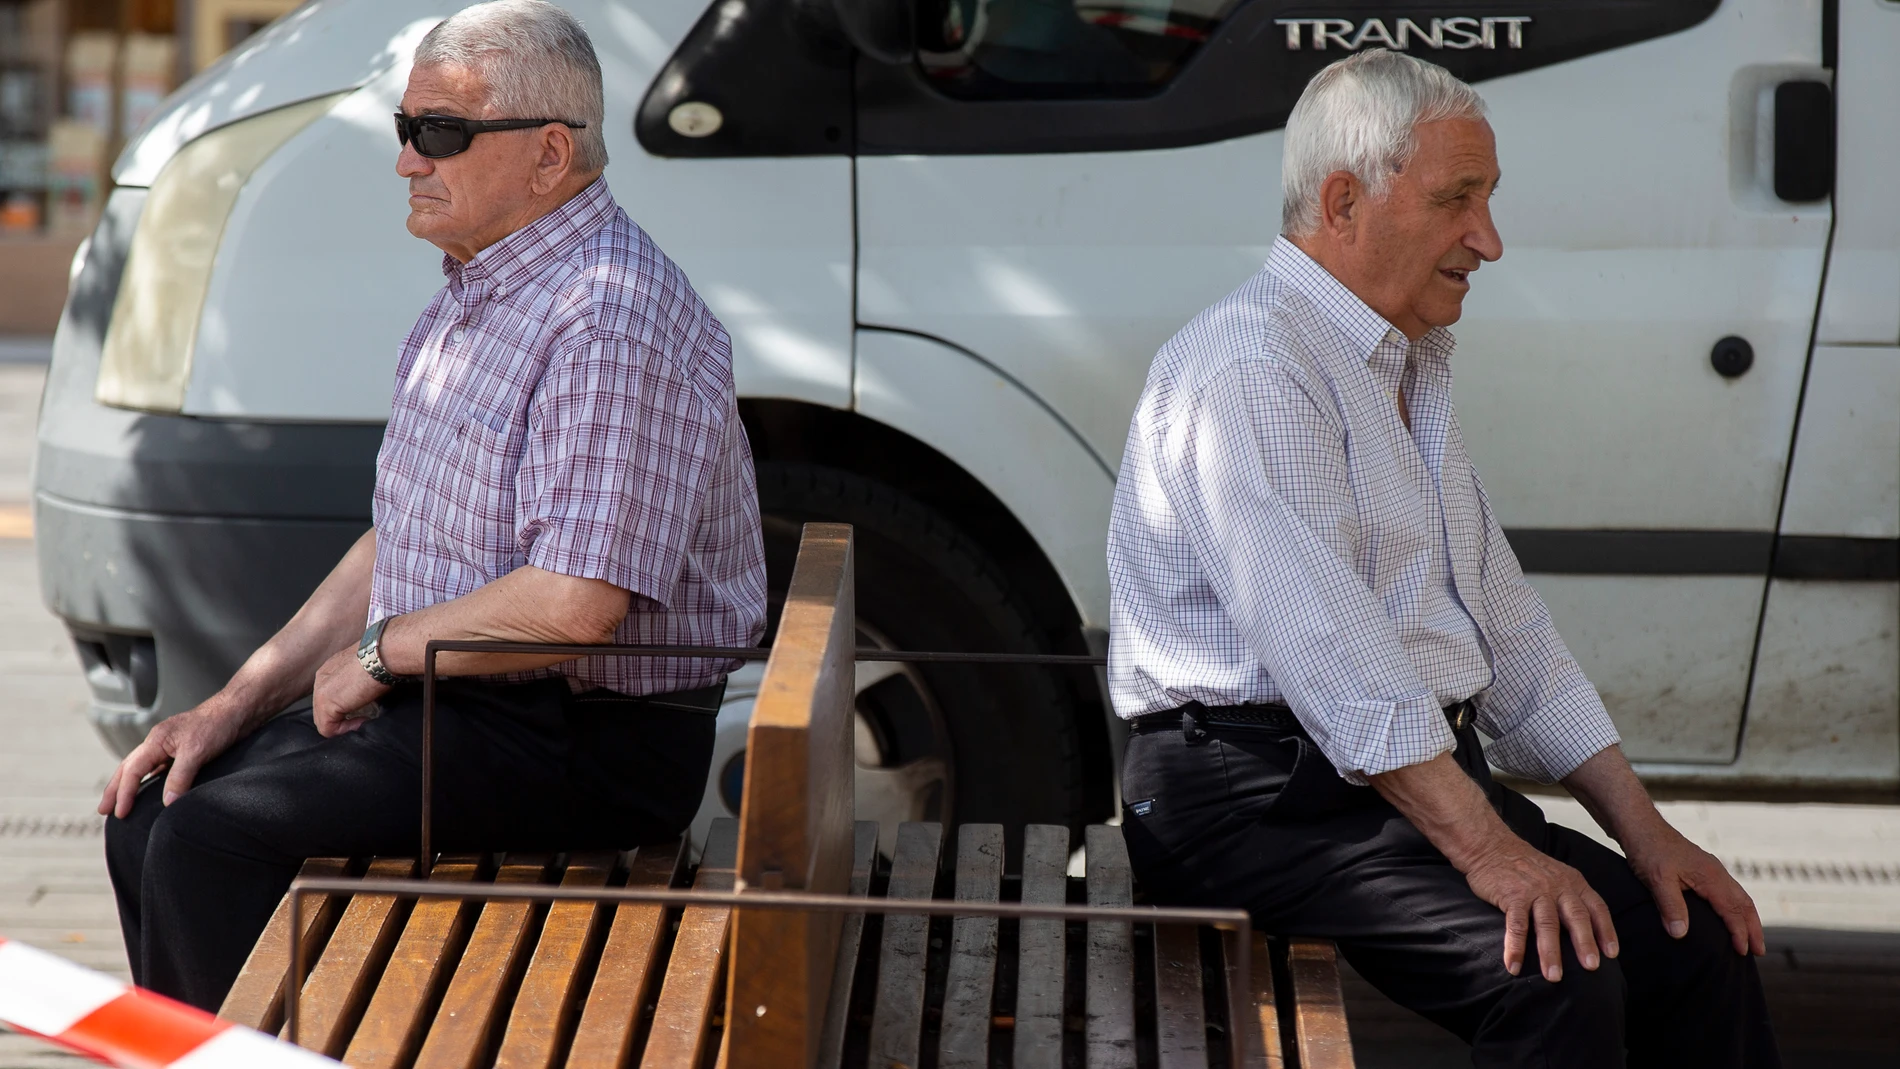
(922, 584)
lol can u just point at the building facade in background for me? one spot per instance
(78, 78)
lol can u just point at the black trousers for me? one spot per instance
(1257, 817)
(526, 766)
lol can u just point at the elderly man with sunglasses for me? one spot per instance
(564, 463)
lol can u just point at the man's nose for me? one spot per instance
(1483, 237)
(410, 163)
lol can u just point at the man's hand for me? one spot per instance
(1660, 856)
(184, 742)
(345, 696)
(1535, 890)
(1670, 864)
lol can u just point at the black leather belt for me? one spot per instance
(699, 700)
(1276, 717)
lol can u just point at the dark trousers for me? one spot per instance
(1257, 817)
(526, 766)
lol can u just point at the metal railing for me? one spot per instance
(720, 653)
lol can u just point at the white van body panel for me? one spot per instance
(1042, 472)
(767, 243)
(1585, 390)
(1668, 653)
(1066, 271)
(1827, 682)
(1845, 477)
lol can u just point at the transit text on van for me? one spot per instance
(1459, 33)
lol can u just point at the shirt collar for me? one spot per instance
(526, 253)
(1368, 331)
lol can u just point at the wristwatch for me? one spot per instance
(369, 653)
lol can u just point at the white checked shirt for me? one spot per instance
(567, 401)
(1278, 536)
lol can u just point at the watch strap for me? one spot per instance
(369, 653)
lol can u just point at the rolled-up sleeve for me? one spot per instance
(1544, 715)
(615, 470)
(1255, 466)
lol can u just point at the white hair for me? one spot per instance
(535, 62)
(1361, 115)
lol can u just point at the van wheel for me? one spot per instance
(949, 743)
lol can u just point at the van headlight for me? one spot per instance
(146, 360)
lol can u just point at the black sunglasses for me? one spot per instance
(437, 136)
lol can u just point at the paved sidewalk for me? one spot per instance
(1806, 866)
(53, 888)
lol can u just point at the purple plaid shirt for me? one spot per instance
(566, 401)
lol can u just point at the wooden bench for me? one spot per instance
(933, 949)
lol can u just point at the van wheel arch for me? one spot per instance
(861, 463)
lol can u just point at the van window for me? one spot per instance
(1061, 49)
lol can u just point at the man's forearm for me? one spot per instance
(1608, 788)
(1443, 803)
(526, 605)
(285, 668)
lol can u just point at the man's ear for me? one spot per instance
(1339, 199)
(555, 161)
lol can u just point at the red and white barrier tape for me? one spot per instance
(126, 1026)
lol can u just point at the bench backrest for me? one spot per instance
(796, 816)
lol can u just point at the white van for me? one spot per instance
(947, 237)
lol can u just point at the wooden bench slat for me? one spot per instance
(1319, 1005)
(1260, 1023)
(1180, 1015)
(682, 1019)
(611, 1016)
(393, 1025)
(897, 1023)
(850, 938)
(964, 1039)
(551, 992)
(1041, 949)
(1110, 994)
(470, 1008)
(334, 993)
(256, 998)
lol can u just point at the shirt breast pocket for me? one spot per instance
(481, 491)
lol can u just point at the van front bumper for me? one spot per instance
(164, 608)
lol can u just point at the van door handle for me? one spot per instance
(1804, 141)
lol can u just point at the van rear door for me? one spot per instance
(1826, 697)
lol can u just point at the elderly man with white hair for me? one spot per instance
(564, 463)
(1315, 613)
